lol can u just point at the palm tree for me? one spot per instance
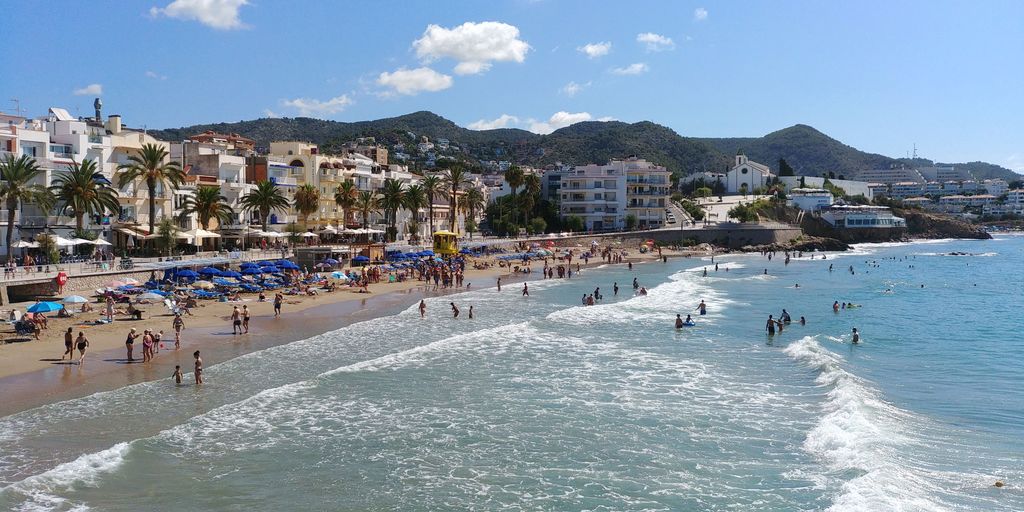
(454, 178)
(432, 187)
(514, 178)
(149, 165)
(207, 205)
(391, 200)
(472, 203)
(345, 197)
(415, 198)
(82, 190)
(16, 189)
(263, 199)
(307, 202)
(531, 185)
(366, 203)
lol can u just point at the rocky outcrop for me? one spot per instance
(802, 244)
(921, 224)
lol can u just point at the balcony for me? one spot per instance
(284, 181)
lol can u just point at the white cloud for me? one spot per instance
(269, 113)
(700, 14)
(632, 69)
(501, 122)
(558, 120)
(474, 45)
(655, 42)
(219, 14)
(311, 106)
(414, 81)
(605, 119)
(1015, 162)
(595, 50)
(156, 76)
(89, 90)
(572, 88)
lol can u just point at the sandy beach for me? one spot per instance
(32, 372)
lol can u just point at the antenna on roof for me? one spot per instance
(915, 151)
(17, 107)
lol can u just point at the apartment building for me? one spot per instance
(604, 195)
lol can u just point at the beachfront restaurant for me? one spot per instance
(850, 216)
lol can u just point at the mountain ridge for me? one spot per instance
(809, 151)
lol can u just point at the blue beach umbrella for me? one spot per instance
(209, 271)
(190, 274)
(360, 259)
(331, 261)
(44, 307)
(248, 264)
(252, 270)
(287, 265)
(271, 270)
(230, 273)
(267, 264)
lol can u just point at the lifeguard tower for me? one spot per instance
(446, 243)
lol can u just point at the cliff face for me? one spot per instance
(922, 224)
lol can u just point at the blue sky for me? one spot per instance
(880, 76)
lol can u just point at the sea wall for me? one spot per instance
(47, 287)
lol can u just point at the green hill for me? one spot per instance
(806, 149)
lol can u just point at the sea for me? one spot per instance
(541, 403)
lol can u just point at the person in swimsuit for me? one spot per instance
(471, 312)
(178, 325)
(147, 346)
(770, 326)
(110, 309)
(177, 376)
(455, 310)
(803, 321)
(69, 345)
(278, 300)
(129, 343)
(499, 284)
(526, 290)
(615, 289)
(856, 336)
(835, 306)
(679, 321)
(198, 367)
(245, 318)
(688, 320)
(83, 343)
(703, 308)
(423, 308)
(236, 321)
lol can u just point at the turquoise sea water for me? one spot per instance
(541, 404)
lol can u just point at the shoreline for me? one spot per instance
(39, 381)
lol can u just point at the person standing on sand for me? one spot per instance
(129, 343)
(278, 300)
(178, 324)
(198, 367)
(245, 318)
(423, 308)
(147, 346)
(110, 309)
(83, 343)
(236, 320)
(526, 290)
(69, 345)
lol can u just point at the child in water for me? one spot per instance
(177, 374)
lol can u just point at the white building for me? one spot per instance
(906, 189)
(851, 187)
(889, 176)
(604, 195)
(875, 217)
(996, 187)
(809, 199)
(746, 175)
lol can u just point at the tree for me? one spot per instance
(415, 198)
(514, 178)
(264, 199)
(166, 235)
(575, 223)
(207, 205)
(630, 222)
(16, 188)
(704, 192)
(531, 187)
(432, 187)
(294, 232)
(454, 178)
(744, 212)
(149, 165)
(366, 203)
(48, 246)
(471, 227)
(472, 204)
(345, 197)
(392, 199)
(785, 169)
(538, 225)
(82, 190)
(743, 189)
(307, 202)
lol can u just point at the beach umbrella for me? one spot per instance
(230, 273)
(271, 270)
(309, 234)
(75, 299)
(204, 285)
(248, 264)
(286, 264)
(251, 271)
(339, 275)
(267, 264)
(330, 261)
(427, 252)
(22, 244)
(465, 251)
(151, 296)
(209, 271)
(360, 259)
(44, 307)
(188, 274)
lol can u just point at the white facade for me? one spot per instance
(746, 175)
(851, 187)
(604, 195)
(810, 199)
(875, 217)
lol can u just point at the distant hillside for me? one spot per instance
(807, 150)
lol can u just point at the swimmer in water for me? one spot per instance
(689, 320)
(679, 321)
(702, 307)
(803, 321)
(770, 326)
(856, 336)
(835, 306)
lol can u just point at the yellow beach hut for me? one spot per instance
(446, 243)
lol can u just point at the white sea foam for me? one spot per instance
(41, 491)
(862, 434)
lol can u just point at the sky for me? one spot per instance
(881, 76)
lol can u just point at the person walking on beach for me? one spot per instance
(236, 321)
(423, 308)
(198, 367)
(69, 345)
(526, 290)
(178, 324)
(83, 343)
(770, 326)
(455, 310)
(245, 318)
(129, 343)
(278, 300)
